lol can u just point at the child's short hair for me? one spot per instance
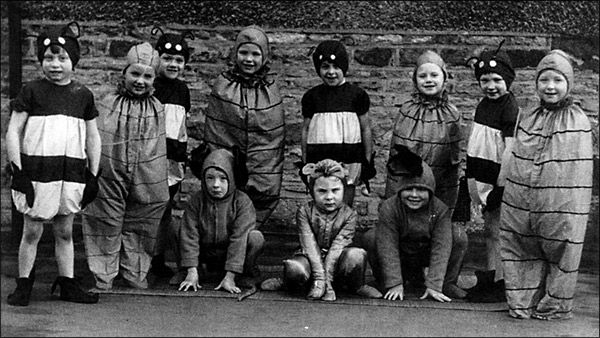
(498, 62)
(430, 57)
(64, 37)
(559, 61)
(324, 168)
(173, 44)
(331, 51)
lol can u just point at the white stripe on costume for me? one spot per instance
(486, 143)
(175, 119)
(56, 135)
(338, 128)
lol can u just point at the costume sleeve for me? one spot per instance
(189, 236)
(441, 247)
(244, 221)
(509, 117)
(22, 102)
(310, 248)
(343, 238)
(387, 242)
(308, 105)
(363, 102)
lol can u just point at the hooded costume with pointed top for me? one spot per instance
(247, 111)
(546, 203)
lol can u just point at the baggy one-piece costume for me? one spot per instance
(430, 128)
(221, 232)
(545, 209)
(53, 149)
(248, 113)
(121, 223)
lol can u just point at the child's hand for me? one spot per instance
(190, 280)
(228, 283)
(22, 183)
(317, 290)
(440, 297)
(395, 293)
(329, 293)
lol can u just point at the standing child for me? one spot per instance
(491, 135)
(415, 231)
(245, 110)
(429, 126)
(175, 95)
(53, 145)
(326, 226)
(219, 228)
(336, 120)
(121, 225)
(547, 196)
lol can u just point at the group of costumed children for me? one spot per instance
(121, 161)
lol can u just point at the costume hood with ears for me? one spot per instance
(331, 51)
(65, 37)
(173, 44)
(256, 36)
(411, 170)
(558, 61)
(498, 62)
(324, 168)
(430, 57)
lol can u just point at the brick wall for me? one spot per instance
(380, 62)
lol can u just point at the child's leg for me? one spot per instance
(63, 244)
(296, 272)
(254, 249)
(460, 242)
(492, 243)
(368, 243)
(350, 269)
(32, 232)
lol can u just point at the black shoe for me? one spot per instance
(22, 293)
(71, 291)
(485, 280)
(159, 269)
(492, 294)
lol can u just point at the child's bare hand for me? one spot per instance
(228, 284)
(440, 297)
(395, 293)
(191, 280)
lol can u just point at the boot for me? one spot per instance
(70, 291)
(485, 280)
(159, 268)
(23, 292)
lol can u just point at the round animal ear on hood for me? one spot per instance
(197, 157)
(240, 170)
(405, 162)
(65, 37)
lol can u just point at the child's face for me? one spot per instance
(217, 183)
(139, 79)
(492, 85)
(328, 193)
(331, 74)
(552, 86)
(430, 79)
(249, 58)
(57, 67)
(414, 198)
(171, 66)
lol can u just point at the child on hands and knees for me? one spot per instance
(326, 227)
(53, 180)
(414, 232)
(219, 227)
